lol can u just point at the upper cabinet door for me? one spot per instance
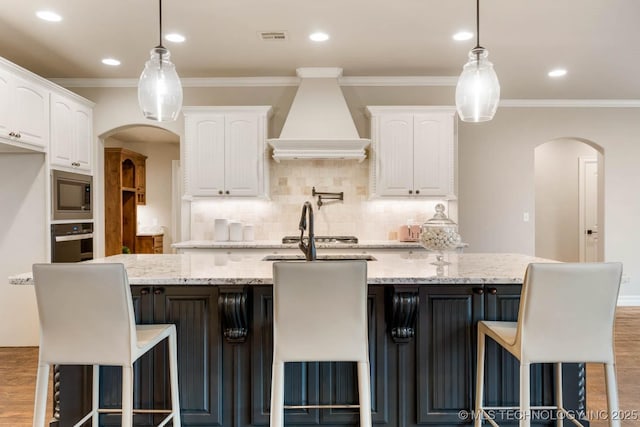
(433, 154)
(205, 151)
(71, 135)
(31, 112)
(395, 155)
(242, 155)
(24, 111)
(225, 151)
(412, 152)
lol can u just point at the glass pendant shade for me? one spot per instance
(159, 88)
(478, 89)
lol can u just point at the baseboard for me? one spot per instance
(629, 300)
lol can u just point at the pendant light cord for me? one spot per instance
(477, 23)
(160, 22)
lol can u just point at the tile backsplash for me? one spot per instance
(290, 186)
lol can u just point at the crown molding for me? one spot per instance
(186, 82)
(571, 103)
(380, 81)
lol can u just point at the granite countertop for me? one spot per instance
(238, 269)
(275, 244)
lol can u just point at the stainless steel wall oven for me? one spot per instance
(72, 242)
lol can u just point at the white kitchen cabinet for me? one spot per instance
(225, 151)
(24, 110)
(412, 152)
(71, 134)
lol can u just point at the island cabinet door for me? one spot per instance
(312, 383)
(194, 311)
(445, 352)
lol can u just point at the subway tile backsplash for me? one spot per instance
(290, 186)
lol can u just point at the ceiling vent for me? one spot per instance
(273, 35)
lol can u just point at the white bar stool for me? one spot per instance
(320, 314)
(567, 313)
(86, 318)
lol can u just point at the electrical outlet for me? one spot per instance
(525, 217)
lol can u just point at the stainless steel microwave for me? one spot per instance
(71, 195)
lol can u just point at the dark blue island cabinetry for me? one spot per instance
(422, 353)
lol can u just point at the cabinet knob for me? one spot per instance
(158, 291)
(226, 192)
(144, 291)
(12, 134)
(410, 191)
(219, 191)
(19, 135)
(478, 291)
(417, 191)
(493, 291)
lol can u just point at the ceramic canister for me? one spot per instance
(235, 231)
(221, 230)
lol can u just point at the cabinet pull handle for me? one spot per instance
(493, 291)
(158, 291)
(478, 291)
(410, 191)
(144, 291)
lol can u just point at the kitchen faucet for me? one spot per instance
(309, 249)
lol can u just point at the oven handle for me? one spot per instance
(71, 237)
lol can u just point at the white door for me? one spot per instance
(205, 154)
(589, 232)
(242, 155)
(395, 155)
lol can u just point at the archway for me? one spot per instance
(569, 207)
(159, 211)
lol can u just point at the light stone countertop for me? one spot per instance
(401, 268)
(275, 244)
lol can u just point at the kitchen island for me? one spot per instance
(421, 330)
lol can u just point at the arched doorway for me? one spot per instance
(157, 212)
(569, 208)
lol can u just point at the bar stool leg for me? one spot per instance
(277, 395)
(479, 380)
(612, 394)
(42, 383)
(127, 396)
(525, 398)
(95, 396)
(173, 373)
(559, 400)
(364, 395)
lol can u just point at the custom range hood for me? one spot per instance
(319, 124)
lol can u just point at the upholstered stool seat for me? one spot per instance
(320, 314)
(86, 318)
(567, 312)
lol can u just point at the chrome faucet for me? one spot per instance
(308, 249)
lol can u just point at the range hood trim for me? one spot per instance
(336, 149)
(319, 124)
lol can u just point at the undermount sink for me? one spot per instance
(347, 257)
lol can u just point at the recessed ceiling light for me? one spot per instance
(175, 37)
(110, 61)
(558, 72)
(463, 35)
(47, 15)
(319, 37)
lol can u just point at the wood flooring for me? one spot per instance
(18, 366)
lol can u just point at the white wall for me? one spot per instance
(496, 159)
(557, 201)
(23, 235)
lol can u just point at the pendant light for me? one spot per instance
(478, 89)
(159, 88)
